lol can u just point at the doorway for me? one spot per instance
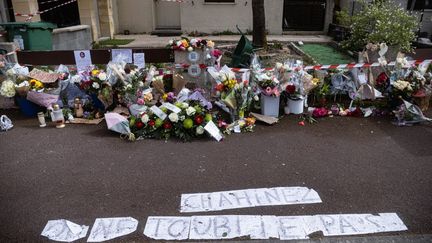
(304, 15)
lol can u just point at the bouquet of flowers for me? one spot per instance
(184, 44)
(183, 120)
(94, 83)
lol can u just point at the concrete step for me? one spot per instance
(167, 32)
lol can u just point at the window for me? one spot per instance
(420, 4)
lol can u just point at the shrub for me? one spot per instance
(382, 21)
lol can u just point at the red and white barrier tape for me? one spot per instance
(361, 65)
(345, 66)
(31, 15)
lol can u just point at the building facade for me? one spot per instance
(109, 17)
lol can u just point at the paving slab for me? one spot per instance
(153, 41)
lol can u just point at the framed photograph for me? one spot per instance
(193, 56)
(194, 70)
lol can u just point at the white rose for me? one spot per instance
(173, 117)
(102, 76)
(185, 105)
(199, 130)
(95, 85)
(279, 65)
(145, 118)
(256, 98)
(190, 111)
(190, 49)
(182, 118)
(140, 84)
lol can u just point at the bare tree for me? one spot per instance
(259, 31)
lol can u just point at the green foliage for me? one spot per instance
(343, 18)
(382, 21)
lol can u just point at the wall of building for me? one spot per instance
(25, 7)
(137, 16)
(218, 17)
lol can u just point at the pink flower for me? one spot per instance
(319, 112)
(140, 101)
(268, 91)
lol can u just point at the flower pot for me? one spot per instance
(296, 106)
(27, 107)
(97, 103)
(270, 105)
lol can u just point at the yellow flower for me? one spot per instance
(165, 96)
(36, 84)
(185, 43)
(95, 72)
(315, 81)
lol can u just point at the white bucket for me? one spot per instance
(296, 106)
(270, 105)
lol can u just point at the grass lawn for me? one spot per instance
(115, 42)
(325, 54)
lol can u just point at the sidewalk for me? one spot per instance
(147, 41)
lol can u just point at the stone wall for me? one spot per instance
(77, 37)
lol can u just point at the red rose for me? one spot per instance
(199, 120)
(139, 125)
(220, 87)
(381, 79)
(151, 123)
(291, 89)
(167, 125)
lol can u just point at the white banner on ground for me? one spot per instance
(216, 201)
(109, 228)
(64, 230)
(266, 227)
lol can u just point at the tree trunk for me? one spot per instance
(259, 31)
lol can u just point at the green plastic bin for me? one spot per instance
(37, 36)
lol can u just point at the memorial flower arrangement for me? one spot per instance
(184, 44)
(183, 120)
(268, 84)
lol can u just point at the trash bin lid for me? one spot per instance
(32, 25)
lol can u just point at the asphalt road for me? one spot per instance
(83, 172)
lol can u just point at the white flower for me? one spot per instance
(193, 42)
(22, 84)
(199, 130)
(171, 42)
(76, 79)
(190, 49)
(184, 105)
(256, 98)
(145, 118)
(129, 86)
(182, 118)
(8, 89)
(178, 43)
(279, 65)
(102, 76)
(140, 84)
(95, 85)
(173, 117)
(190, 111)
